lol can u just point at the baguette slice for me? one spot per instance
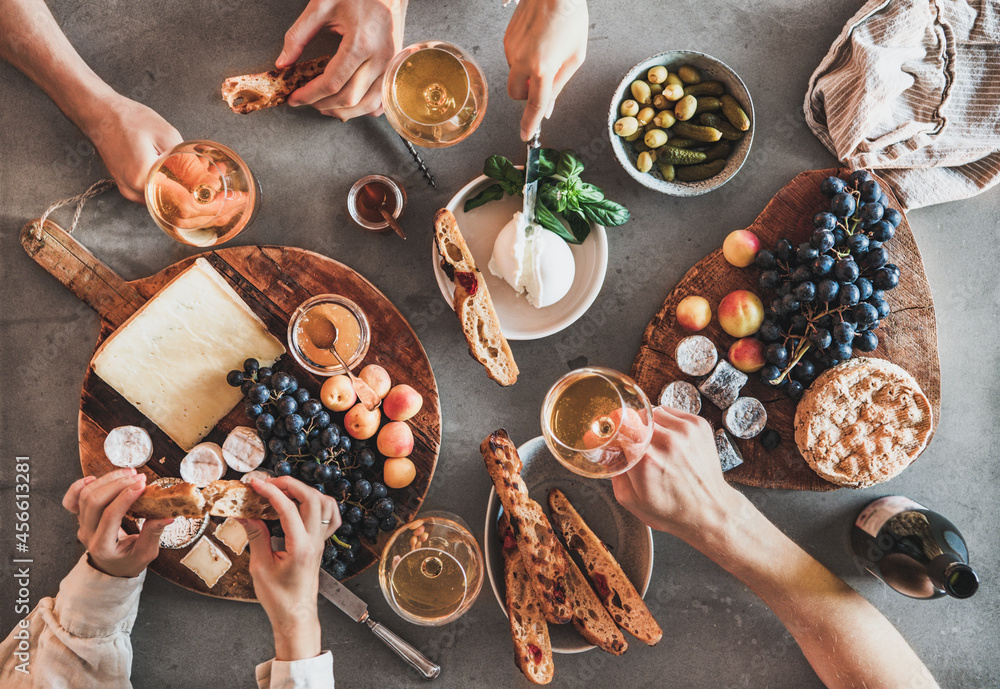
(473, 303)
(217, 499)
(590, 617)
(612, 586)
(532, 647)
(179, 499)
(251, 92)
(544, 557)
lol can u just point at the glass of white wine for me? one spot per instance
(431, 570)
(434, 94)
(597, 422)
(201, 193)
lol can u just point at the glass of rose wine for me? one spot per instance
(431, 570)
(434, 94)
(201, 193)
(597, 422)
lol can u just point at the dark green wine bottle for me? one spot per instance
(913, 549)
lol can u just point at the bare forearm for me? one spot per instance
(32, 42)
(845, 639)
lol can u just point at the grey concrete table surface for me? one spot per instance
(174, 56)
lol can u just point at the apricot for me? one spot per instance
(337, 393)
(694, 313)
(360, 423)
(747, 355)
(377, 378)
(395, 439)
(402, 402)
(740, 248)
(741, 313)
(398, 472)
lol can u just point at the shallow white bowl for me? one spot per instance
(629, 539)
(710, 68)
(519, 320)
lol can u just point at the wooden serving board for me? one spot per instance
(273, 280)
(907, 337)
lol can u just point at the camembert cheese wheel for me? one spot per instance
(203, 464)
(128, 446)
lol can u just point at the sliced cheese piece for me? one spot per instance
(243, 449)
(232, 535)
(203, 464)
(260, 475)
(128, 446)
(170, 359)
(207, 561)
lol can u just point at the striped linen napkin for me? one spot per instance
(911, 88)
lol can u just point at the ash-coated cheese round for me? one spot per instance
(745, 418)
(682, 396)
(696, 355)
(203, 464)
(243, 450)
(128, 446)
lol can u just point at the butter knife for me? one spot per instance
(357, 610)
(531, 176)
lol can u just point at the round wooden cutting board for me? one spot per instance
(907, 337)
(273, 281)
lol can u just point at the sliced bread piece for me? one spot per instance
(590, 617)
(473, 303)
(250, 92)
(237, 499)
(181, 499)
(611, 584)
(544, 557)
(528, 630)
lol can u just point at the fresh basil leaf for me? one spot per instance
(494, 192)
(502, 170)
(569, 165)
(548, 159)
(606, 212)
(588, 193)
(549, 195)
(545, 218)
(578, 225)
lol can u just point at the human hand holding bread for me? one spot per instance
(100, 504)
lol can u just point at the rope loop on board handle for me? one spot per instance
(96, 189)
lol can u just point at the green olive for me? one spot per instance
(629, 108)
(655, 138)
(657, 75)
(626, 126)
(673, 79)
(645, 116)
(689, 75)
(686, 107)
(645, 162)
(673, 92)
(635, 136)
(660, 102)
(665, 119)
(641, 92)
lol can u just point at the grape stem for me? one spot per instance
(800, 352)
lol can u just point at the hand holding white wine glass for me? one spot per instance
(597, 422)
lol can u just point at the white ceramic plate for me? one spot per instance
(629, 539)
(519, 320)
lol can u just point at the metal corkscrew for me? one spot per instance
(420, 163)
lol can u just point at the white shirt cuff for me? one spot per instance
(93, 604)
(309, 673)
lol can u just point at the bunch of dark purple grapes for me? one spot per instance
(303, 440)
(829, 292)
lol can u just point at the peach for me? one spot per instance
(398, 472)
(337, 393)
(377, 378)
(741, 313)
(402, 403)
(747, 355)
(694, 313)
(361, 423)
(741, 247)
(395, 439)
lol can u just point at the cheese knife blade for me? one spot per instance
(357, 610)
(531, 176)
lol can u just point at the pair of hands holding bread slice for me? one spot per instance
(678, 488)
(286, 581)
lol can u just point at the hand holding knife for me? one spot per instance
(531, 175)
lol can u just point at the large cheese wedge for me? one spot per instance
(170, 359)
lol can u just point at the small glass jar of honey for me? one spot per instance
(371, 193)
(311, 323)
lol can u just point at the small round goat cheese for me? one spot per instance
(203, 464)
(128, 446)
